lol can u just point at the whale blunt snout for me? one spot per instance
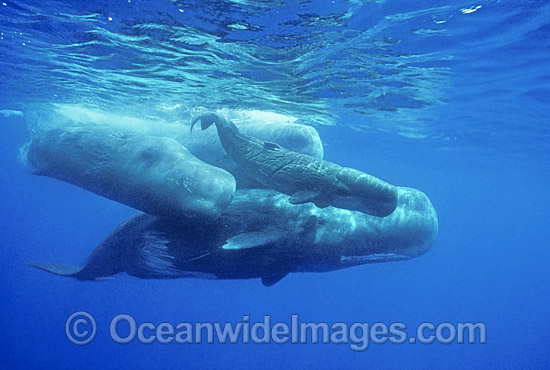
(385, 206)
(377, 200)
(367, 193)
(414, 224)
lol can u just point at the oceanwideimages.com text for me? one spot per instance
(81, 329)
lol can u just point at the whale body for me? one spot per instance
(153, 174)
(259, 235)
(199, 225)
(206, 147)
(304, 178)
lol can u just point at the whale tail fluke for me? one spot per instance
(62, 269)
(65, 269)
(207, 120)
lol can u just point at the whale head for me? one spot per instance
(365, 193)
(406, 233)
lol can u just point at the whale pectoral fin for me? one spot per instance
(271, 146)
(252, 239)
(268, 281)
(303, 196)
(62, 269)
(321, 204)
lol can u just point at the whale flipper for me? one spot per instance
(304, 196)
(272, 280)
(321, 204)
(271, 146)
(63, 269)
(252, 239)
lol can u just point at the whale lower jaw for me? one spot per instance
(375, 257)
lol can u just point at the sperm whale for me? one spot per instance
(304, 178)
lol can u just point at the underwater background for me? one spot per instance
(451, 98)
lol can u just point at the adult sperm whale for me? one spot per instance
(154, 174)
(304, 178)
(259, 235)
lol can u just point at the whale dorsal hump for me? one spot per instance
(272, 280)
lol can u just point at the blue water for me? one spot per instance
(451, 98)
